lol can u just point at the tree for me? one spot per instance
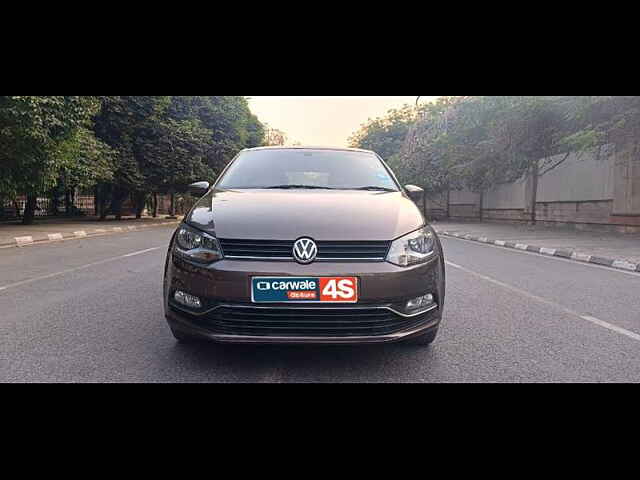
(125, 145)
(532, 136)
(386, 135)
(479, 142)
(164, 143)
(121, 123)
(93, 164)
(431, 154)
(40, 136)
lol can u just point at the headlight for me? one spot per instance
(412, 249)
(197, 246)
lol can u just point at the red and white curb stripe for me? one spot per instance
(21, 241)
(553, 252)
(58, 237)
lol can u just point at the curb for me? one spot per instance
(552, 252)
(58, 237)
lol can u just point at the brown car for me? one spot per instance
(305, 245)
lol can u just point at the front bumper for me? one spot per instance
(229, 315)
(186, 324)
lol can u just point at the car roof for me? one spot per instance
(298, 147)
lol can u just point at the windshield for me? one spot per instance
(306, 168)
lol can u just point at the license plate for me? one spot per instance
(304, 289)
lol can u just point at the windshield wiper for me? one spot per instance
(309, 187)
(373, 188)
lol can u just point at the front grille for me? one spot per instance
(327, 250)
(307, 322)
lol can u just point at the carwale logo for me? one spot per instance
(305, 250)
(304, 289)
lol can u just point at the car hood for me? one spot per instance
(319, 214)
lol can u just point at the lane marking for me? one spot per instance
(588, 318)
(554, 258)
(140, 252)
(63, 272)
(609, 326)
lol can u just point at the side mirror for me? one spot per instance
(415, 193)
(198, 189)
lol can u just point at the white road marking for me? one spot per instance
(595, 321)
(63, 272)
(140, 252)
(609, 326)
(521, 246)
(548, 251)
(80, 233)
(54, 237)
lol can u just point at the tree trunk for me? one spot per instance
(116, 205)
(448, 202)
(534, 191)
(67, 202)
(172, 210)
(53, 209)
(30, 209)
(140, 199)
(104, 195)
(117, 199)
(155, 205)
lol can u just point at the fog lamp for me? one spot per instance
(187, 300)
(420, 302)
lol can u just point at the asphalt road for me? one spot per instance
(91, 311)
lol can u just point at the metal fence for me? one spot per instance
(45, 207)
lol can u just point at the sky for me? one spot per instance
(323, 120)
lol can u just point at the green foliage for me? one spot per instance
(386, 135)
(164, 143)
(477, 142)
(125, 144)
(40, 137)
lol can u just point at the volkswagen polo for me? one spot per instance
(305, 245)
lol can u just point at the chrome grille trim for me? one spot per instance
(328, 251)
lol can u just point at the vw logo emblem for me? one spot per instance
(305, 250)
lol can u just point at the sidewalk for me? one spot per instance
(54, 229)
(609, 249)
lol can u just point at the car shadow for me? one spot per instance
(205, 361)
